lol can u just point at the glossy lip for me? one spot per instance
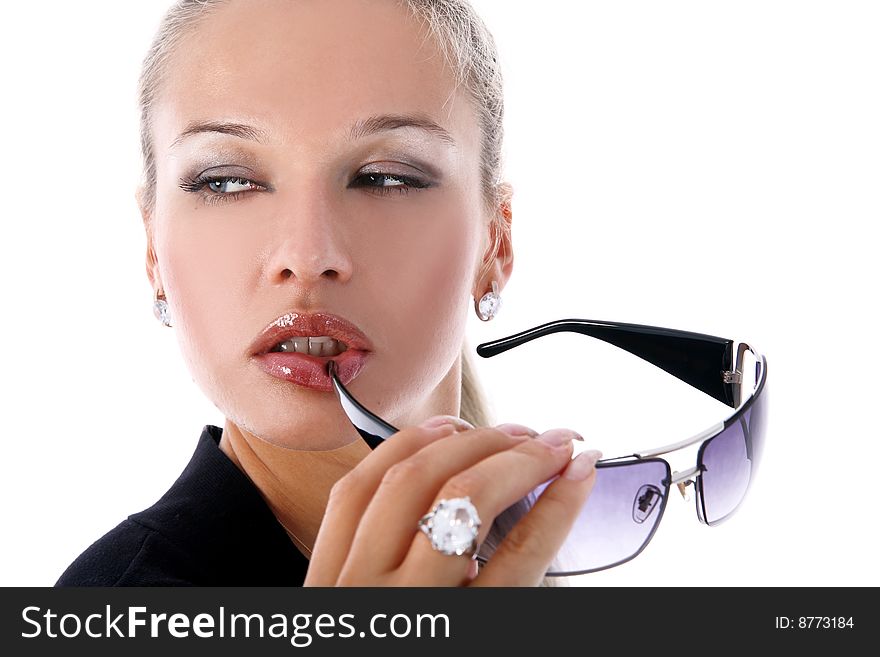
(303, 369)
(295, 324)
(311, 371)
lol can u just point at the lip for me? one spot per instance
(311, 371)
(294, 324)
(304, 369)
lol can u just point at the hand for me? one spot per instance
(370, 537)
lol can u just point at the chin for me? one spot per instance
(296, 429)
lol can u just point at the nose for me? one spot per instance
(309, 242)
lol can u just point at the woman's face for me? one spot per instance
(309, 217)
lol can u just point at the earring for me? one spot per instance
(489, 304)
(160, 308)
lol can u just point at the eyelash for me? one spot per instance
(198, 184)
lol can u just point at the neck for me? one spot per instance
(296, 483)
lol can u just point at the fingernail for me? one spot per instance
(473, 569)
(514, 429)
(440, 420)
(580, 467)
(558, 437)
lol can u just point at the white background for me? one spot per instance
(698, 165)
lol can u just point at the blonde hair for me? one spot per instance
(469, 51)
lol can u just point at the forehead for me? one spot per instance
(304, 71)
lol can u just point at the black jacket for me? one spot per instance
(212, 528)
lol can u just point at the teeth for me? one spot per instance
(314, 346)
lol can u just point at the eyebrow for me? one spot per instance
(383, 122)
(240, 130)
(360, 129)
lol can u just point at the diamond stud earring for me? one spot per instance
(489, 304)
(160, 308)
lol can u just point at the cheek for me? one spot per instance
(202, 271)
(426, 294)
(428, 270)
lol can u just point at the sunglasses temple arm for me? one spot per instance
(700, 360)
(373, 429)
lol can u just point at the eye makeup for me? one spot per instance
(207, 186)
(233, 175)
(406, 183)
(212, 182)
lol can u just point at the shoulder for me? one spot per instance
(130, 554)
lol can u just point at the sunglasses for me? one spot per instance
(629, 495)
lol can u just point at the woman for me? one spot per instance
(323, 177)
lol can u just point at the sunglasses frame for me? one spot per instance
(709, 363)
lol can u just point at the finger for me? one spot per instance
(351, 494)
(407, 489)
(493, 484)
(525, 554)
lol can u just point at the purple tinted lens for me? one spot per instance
(730, 460)
(614, 524)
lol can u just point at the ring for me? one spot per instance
(452, 525)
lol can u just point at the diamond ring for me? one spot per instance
(452, 525)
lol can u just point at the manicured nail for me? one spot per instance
(558, 437)
(473, 569)
(439, 420)
(514, 429)
(580, 467)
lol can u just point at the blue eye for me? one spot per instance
(217, 184)
(219, 187)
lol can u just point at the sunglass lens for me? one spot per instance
(730, 460)
(615, 523)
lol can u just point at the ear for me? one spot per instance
(152, 262)
(497, 262)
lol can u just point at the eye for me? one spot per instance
(389, 183)
(219, 189)
(229, 185)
